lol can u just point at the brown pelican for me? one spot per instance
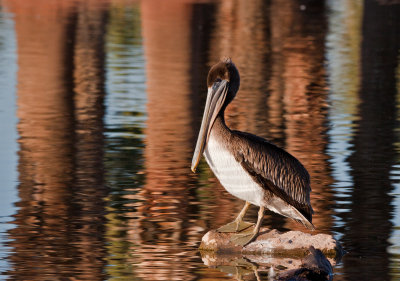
(249, 167)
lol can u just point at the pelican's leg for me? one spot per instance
(238, 224)
(244, 238)
(239, 268)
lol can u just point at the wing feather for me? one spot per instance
(275, 170)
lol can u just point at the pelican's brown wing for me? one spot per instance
(275, 170)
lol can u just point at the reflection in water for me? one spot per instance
(59, 223)
(164, 219)
(124, 120)
(109, 99)
(271, 267)
(374, 146)
(343, 54)
(298, 94)
(89, 188)
(8, 143)
(45, 126)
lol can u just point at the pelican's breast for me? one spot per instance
(230, 173)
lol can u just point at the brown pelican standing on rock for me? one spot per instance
(249, 167)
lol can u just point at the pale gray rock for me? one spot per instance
(274, 243)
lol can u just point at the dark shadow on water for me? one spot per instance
(368, 223)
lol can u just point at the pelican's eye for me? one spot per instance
(216, 84)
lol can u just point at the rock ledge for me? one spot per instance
(273, 243)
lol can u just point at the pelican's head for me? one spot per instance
(225, 70)
(223, 83)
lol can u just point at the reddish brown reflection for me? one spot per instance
(58, 224)
(163, 220)
(45, 126)
(242, 33)
(90, 189)
(298, 81)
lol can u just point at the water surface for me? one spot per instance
(101, 102)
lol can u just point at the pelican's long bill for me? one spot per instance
(215, 100)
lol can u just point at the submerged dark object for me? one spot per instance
(249, 167)
(292, 255)
(315, 267)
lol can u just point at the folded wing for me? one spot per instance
(275, 170)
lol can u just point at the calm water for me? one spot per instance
(101, 102)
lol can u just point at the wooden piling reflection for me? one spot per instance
(46, 151)
(164, 217)
(371, 207)
(298, 83)
(90, 189)
(58, 226)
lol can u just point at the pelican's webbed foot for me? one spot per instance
(244, 238)
(238, 224)
(249, 235)
(235, 226)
